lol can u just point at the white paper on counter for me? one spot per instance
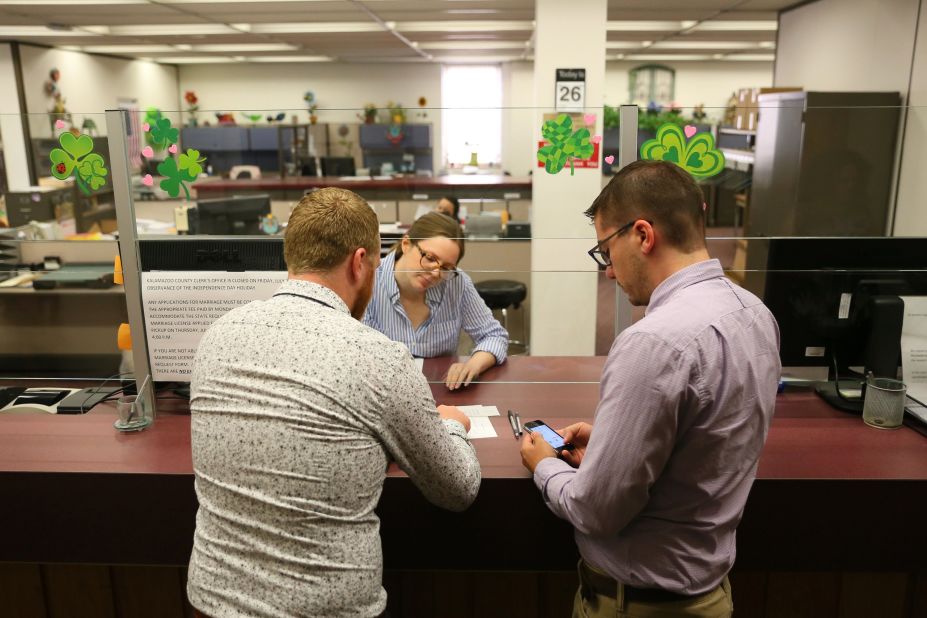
(481, 427)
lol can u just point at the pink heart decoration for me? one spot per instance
(610, 159)
(595, 139)
(590, 119)
(147, 152)
(59, 124)
(173, 149)
(146, 127)
(147, 180)
(690, 130)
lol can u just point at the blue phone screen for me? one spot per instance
(550, 436)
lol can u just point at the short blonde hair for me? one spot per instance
(326, 227)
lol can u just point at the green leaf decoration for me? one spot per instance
(92, 171)
(76, 158)
(152, 116)
(192, 162)
(163, 134)
(252, 117)
(174, 177)
(565, 145)
(62, 164)
(77, 147)
(698, 156)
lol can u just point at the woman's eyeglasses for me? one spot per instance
(430, 262)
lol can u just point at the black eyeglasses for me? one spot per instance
(600, 256)
(430, 262)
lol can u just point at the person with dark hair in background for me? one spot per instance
(449, 206)
(422, 300)
(656, 486)
(296, 410)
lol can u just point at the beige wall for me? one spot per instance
(709, 83)
(92, 84)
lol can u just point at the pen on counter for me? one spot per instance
(515, 423)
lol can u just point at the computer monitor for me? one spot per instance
(338, 166)
(233, 215)
(484, 225)
(838, 304)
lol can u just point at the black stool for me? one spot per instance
(501, 294)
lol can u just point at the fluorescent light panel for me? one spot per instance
(471, 45)
(720, 25)
(17, 31)
(163, 29)
(463, 26)
(312, 27)
(243, 47)
(751, 57)
(707, 45)
(127, 49)
(647, 26)
(195, 60)
(289, 59)
(668, 57)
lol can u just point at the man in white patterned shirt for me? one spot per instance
(656, 486)
(297, 409)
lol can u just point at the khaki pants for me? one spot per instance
(590, 603)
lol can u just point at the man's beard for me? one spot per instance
(363, 298)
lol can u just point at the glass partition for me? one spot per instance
(789, 164)
(61, 303)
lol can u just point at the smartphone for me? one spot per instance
(550, 436)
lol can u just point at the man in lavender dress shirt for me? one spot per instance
(656, 487)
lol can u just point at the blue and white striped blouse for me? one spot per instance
(454, 305)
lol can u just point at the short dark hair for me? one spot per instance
(455, 203)
(661, 192)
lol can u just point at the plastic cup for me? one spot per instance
(131, 415)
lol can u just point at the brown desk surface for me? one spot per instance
(410, 184)
(824, 478)
(808, 439)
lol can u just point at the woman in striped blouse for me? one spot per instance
(421, 300)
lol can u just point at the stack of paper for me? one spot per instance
(480, 425)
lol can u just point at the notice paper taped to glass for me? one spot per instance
(180, 306)
(914, 347)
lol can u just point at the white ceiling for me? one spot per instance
(182, 31)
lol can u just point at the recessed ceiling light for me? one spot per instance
(727, 25)
(767, 44)
(471, 11)
(668, 57)
(646, 43)
(644, 26)
(18, 31)
(126, 49)
(705, 45)
(243, 47)
(463, 26)
(473, 45)
(315, 27)
(751, 57)
(194, 60)
(183, 46)
(289, 59)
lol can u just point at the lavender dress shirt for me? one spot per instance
(686, 399)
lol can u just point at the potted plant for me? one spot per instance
(192, 106)
(370, 114)
(312, 104)
(397, 114)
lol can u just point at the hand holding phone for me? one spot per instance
(550, 436)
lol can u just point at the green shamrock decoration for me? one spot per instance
(176, 177)
(698, 155)
(565, 144)
(192, 162)
(162, 134)
(76, 157)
